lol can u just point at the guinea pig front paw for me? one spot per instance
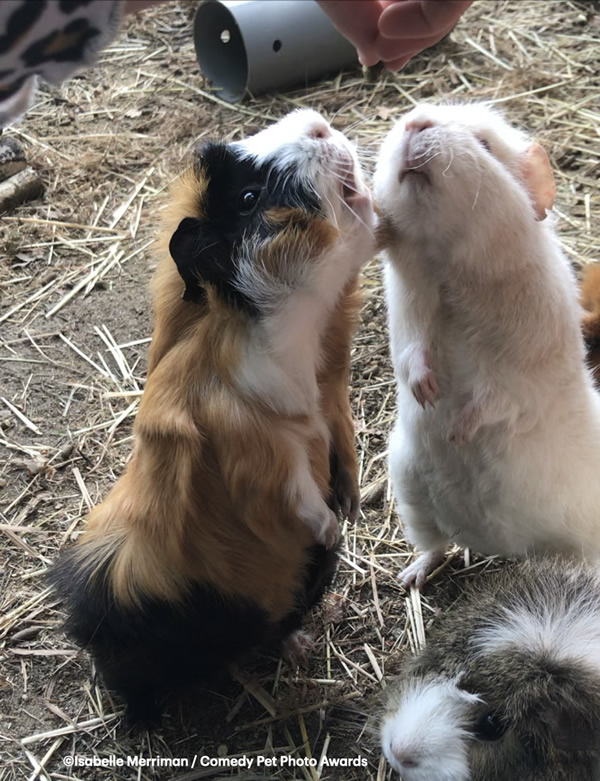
(425, 389)
(329, 533)
(416, 573)
(465, 424)
(345, 496)
(421, 379)
(296, 646)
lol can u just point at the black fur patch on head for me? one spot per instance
(239, 190)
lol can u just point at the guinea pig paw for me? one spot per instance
(416, 573)
(465, 424)
(295, 647)
(424, 387)
(345, 495)
(329, 532)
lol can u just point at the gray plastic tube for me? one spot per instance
(255, 46)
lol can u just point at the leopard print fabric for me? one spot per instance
(50, 39)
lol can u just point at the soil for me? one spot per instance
(106, 144)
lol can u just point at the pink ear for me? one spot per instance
(538, 178)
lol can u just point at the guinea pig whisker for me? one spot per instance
(477, 164)
(447, 168)
(425, 162)
(342, 180)
(333, 214)
(356, 216)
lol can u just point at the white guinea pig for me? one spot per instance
(508, 688)
(497, 440)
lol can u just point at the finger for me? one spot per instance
(390, 50)
(396, 65)
(357, 21)
(420, 18)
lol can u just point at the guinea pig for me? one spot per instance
(220, 534)
(589, 292)
(497, 440)
(508, 686)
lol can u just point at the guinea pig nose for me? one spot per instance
(417, 125)
(405, 758)
(318, 130)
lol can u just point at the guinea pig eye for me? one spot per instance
(489, 727)
(485, 144)
(248, 201)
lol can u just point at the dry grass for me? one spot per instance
(74, 330)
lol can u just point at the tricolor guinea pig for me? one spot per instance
(508, 687)
(223, 530)
(497, 439)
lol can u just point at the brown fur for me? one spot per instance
(204, 495)
(590, 300)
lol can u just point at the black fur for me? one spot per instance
(206, 248)
(147, 654)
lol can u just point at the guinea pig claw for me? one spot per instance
(425, 389)
(344, 494)
(295, 647)
(465, 425)
(330, 531)
(353, 506)
(416, 574)
(349, 504)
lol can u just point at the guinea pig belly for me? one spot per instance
(446, 493)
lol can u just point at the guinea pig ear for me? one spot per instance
(539, 179)
(204, 255)
(185, 247)
(570, 731)
(200, 254)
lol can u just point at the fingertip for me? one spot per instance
(368, 59)
(396, 65)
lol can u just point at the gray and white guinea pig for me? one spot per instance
(508, 687)
(496, 445)
(223, 530)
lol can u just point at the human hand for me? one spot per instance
(406, 27)
(357, 21)
(393, 31)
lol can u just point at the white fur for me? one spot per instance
(507, 460)
(281, 356)
(302, 489)
(425, 737)
(566, 629)
(304, 493)
(319, 161)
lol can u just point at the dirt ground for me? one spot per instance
(74, 331)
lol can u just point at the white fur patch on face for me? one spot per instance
(322, 158)
(426, 737)
(568, 630)
(449, 158)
